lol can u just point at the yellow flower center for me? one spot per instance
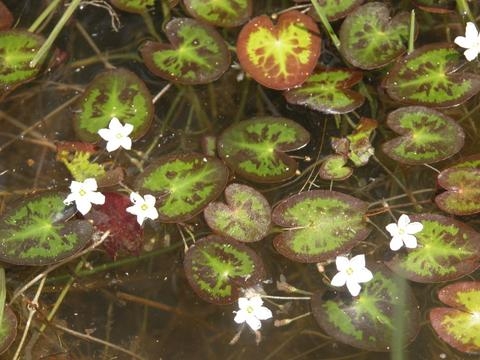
(82, 192)
(144, 207)
(349, 271)
(249, 309)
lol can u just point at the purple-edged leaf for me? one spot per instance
(472, 161)
(458, 325)
(8, 329)
(328, 91)
(218, 269)
(197, 54)
(224, 13)
(371, 39)
(183, 184)
(436, 6)
(245, 216)
(428, 136)
(333, 168)
(430, 76)
(463, 191)
(368, 321)
(319, 225)
(255, 148)
(447, 249)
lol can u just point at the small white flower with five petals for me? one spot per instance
(471, 41)
(351, 272)
(403, 233)
(143, 207)
(252, 312)
(84, 194)
(117, 135)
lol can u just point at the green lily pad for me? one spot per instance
(368, 321)
(115, 93)
(134, 6)
(255, 148)
(35, 232)
(333, 168)
(429, 76)
(428, 136)
(447, 249)
(334, 9)
(197, 53)
(319, 225)
(371, 39)
(245, 216)
(463, 191)
(183, 184)
(328, 91)
(458, 324)
(218, 269)
(436, 6)
(8, 329)
(279, 56)
(18, 48)
(225, 13)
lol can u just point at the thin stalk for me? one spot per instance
(3, 293)
(464, 10)
(150, 26)
(326, 24)
(411, 35)
(45, 13)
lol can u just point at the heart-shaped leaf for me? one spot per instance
(463, 191)
(328, 91)
(429, 76)
(333, 168)
(436, 6)
(447, 249)
(18, 48)
(8, 329)
(6, 17)
(458, 325)
(184, 184)
(35, 232)
(134, 6)
(220, 12)
(279, 56)
(218, 269)
(428, 136)
(197, 54)
(245, 216)
(256, 148)
(116, 93)
(369, 320)
(371, 39)
(319, 225)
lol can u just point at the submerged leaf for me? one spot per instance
(220, 12)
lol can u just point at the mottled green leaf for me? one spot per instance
(334, 9)
(369, 320)
(220, 12)
(134, 6)
(197, 53)
(447, 249)
(184, 184)
(319, 225)
(115, 93)
(245, 216)
(35, 232)
(218, 269)
(428, 136)
(429, 76)
(436, 6)
(328, 91)
(8, 329)
(333, 168)
(256, 148)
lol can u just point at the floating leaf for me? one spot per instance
(319, 225)
(458, 325)
(428, 76)
(256, 148)
(6, 17)
(220, 12)
(116, 93)
(279, 56)
(328, 91)
(18, 48)
(8, 329)
(35, 232)
(245, 216)
(184, 184)
(371, 39)
(368, 321)
(436, 6)
(428, 136)
(134, 6)
(463, 191)
(472, 161)
(218, 269)
(333, 168)
(197, 54)
(447, 249)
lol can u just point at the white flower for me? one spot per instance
(143, 207)
(84, 194)
(251, 311)
(351, 272)
(402, 233)
(471, 41)
(117, 135)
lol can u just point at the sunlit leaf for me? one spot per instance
(220, 12)
(333, 168)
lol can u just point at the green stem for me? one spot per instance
(464, 10)
(411, 37)
(150, 26)
(39, 20)
(39, 56)
(326, 24)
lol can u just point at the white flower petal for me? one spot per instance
(396, 243)
(253, 322)
(471, 32)
(339, 279)
(105, 134)
(263, 313)
(353, 287)
(76, 186)
(471, 54)
(363, 275)
(96, 198)
(342, 263)
(256, 302)
(150, 200)
(410, 241)
(90, 184)
(240, 317)
(127, 129)
(357, 262)
(115, 124)
(126, 143)
(392, 229)
(112, 145)
(463, 42)
(83, 206)
(403, 221)
(414, 227)
(135, 197)
(69, 199)
(151, 213)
